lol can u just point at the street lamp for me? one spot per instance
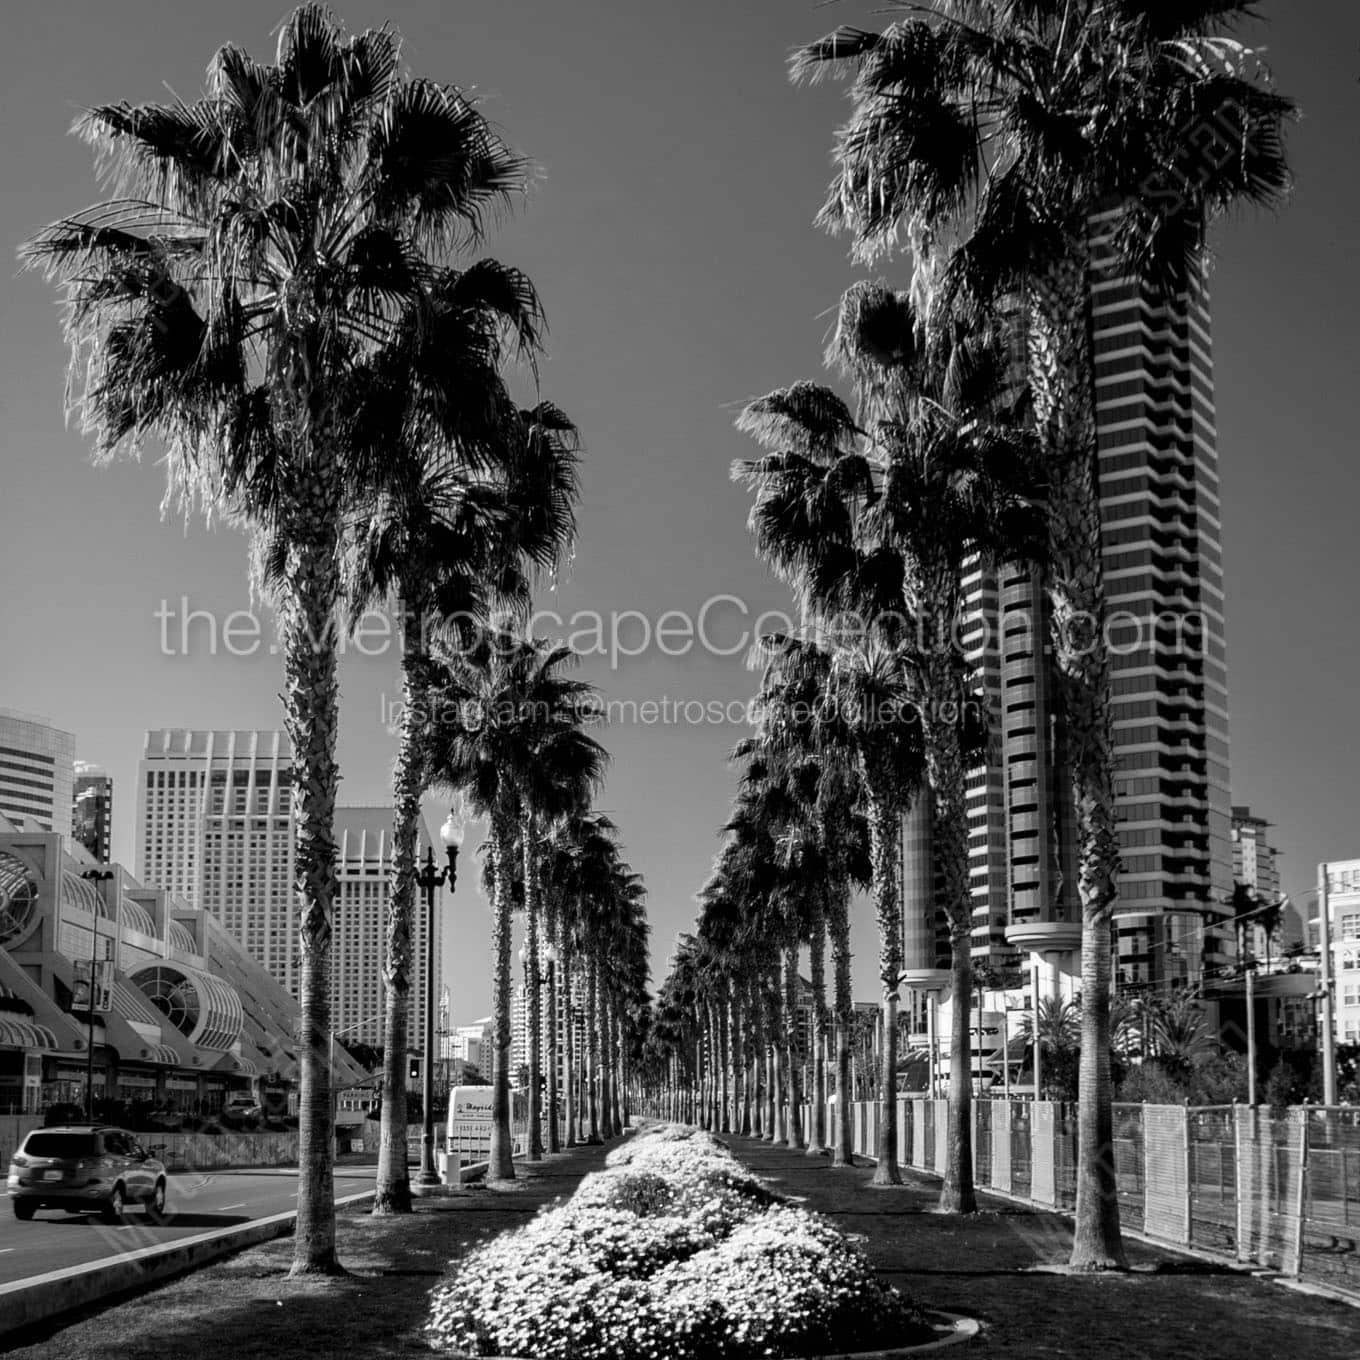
(428, 879)
(92, 876)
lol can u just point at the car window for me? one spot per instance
(116, 1144)
(62, 1145)
(139, 1151)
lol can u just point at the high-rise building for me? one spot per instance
(37, 767)
(1159, 500)
(1160, 510)
(214, 825)
(92, 811)
(364, 838)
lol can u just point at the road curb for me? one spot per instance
(25, 1303)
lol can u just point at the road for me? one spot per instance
(197, 1202)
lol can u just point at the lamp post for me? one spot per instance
(92, 876)
(428, 879)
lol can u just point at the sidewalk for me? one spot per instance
(245, 1307)
(985, 1266)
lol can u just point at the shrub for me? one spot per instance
(673, 1251)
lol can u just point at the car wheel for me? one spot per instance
(23, 1209)
(111, 1211)
(155, 1206)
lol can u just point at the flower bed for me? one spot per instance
(674, 1252)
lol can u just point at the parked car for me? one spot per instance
(242, 1107)
(83, 1168)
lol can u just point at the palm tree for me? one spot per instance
(495, 710)
(453, 543)
(999, 131)
(568, 767)
(261, 255)
(881, 516)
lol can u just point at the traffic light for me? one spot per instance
(415, 1068)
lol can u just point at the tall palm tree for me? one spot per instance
(567, 769)
(495, 709)
(881, 516)
(452, 543)
(999, 131)
(808, 739)
(262, 249)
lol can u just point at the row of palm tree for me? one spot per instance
(282, 291)
(1019, 150)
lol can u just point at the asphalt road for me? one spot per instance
(197, 1202)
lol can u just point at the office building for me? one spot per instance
(214, 825)
(92, 811)
(37, 769)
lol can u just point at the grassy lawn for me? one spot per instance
(245, 1306)
(990, 1267)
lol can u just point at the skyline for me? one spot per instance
(660, 329)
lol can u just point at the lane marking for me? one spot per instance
(242, 1205)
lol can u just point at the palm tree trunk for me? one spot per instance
(311, 717)
(393, 1192)
(1062, 380)
(843, 1137)
(883, 823)
(724, 1036)
(501, 1165)
(592, 1054)
(739, 1124)
(817, 966)
(554, 1093)
(756, 1082)
(948, 782)
(533, 1001)
(794, 1056)
(569, 1044)
(616, 1071)
(776, 1075)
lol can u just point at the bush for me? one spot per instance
(673, 1251)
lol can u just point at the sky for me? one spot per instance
(669, 233)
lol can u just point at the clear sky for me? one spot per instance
(670, 237)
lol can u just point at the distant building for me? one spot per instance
(471, 1045)
(1256, 866)
(215, 825)
(37, 769)
(92, 811)
(364, 839)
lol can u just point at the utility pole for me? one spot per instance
(1251, 1033)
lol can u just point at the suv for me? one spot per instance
(82, 1167)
